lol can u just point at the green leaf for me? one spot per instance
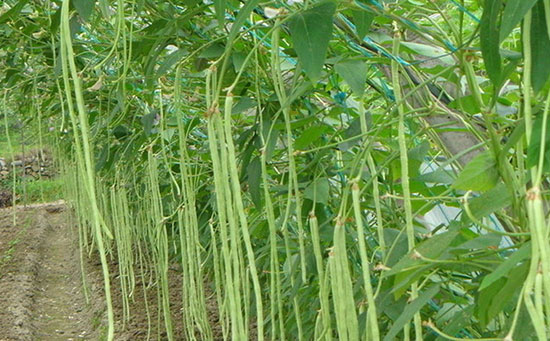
(419, 152)
(104, 7)
(311, 31)
(191, 3)
(461, 319)
(480, 174)
(491, 201)
(354, 73)
(244, 104)
(148, 121)
(513, 13)
(12, 12)
(399, 247)
(409, 311)
(362, 19)
(238, 58)
(515, 136)
(84, 8)
(540, 45)
(219, 8)
(489, 39)
(493, 299)
(466, 104)
(244, 12)
(429, 51)
(439, 176)
(481, 242)
(170, 60)
(504, 268)
(254, 171)
(430, 248)
(533, 152)
(318, 191)
(212, 51)
(309, 136)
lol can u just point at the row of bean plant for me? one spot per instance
(352, 170)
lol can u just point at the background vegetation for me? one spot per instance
(328, 169)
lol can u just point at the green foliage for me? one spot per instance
(481, 174)
(490, 39)
(283, 190)
(311, 31)
(539, 47)
(354, 73)
(43, 190)
(513, 14)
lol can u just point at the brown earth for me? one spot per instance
(40, 281)
(41, 291)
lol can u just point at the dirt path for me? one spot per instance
(41, 295)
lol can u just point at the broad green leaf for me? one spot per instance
(238, 58)
(514, 11)
(399, 249)
(460, 320)
(419, 152)
(493, 299)
(480, 174)
(318, 191)
(309, 136)
(489, 39)
(525, 329)
(167, 134)
(523, 253)
(311, 31)
(120, 132)
(362, 19)
(439, 176)
(84, 8)
(481, 242)
(254, 171)
(431, 248)
(354, 73)
(170, 60)
(212, 51)
(466, 104)
(148, 121)
(352, 133)
(409, 311)
(491, 201)
(540, 46)
(245, 103)
(430, 51)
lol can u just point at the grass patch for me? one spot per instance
(42, 190)
(16, 149)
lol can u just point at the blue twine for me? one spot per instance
(465, 11)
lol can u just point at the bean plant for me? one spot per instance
(351, 170)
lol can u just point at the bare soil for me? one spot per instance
(40, 277)
(41, 290)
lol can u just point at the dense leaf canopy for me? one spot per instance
(330, 169)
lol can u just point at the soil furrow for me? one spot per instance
(40, 285)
